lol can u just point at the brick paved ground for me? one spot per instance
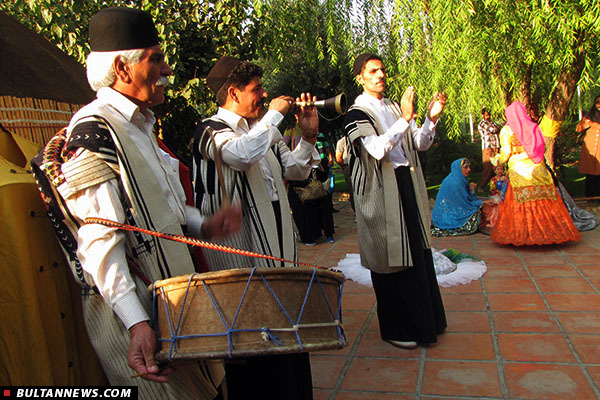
(529, 329)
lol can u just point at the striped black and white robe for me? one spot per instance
(277, 376)
(259, 232)
(111, 154)
(383, 239)
(393, 232)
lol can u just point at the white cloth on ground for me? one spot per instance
(448, 274)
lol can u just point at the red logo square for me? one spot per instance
(6, 392)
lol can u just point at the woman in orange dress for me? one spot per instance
(533, 211)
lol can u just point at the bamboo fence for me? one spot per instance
(35, 119)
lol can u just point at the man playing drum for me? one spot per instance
(114, 169)
(248, 148)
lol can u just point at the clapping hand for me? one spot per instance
(407, 103)
(436, 105)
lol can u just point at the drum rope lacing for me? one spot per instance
(265, 331)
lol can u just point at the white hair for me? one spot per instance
(100, 72)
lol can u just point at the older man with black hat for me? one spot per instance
(111, 167)
(391, 206)
(254, 162)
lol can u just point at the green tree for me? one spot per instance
(303, 46)
(194, 35)
(481, 52)
(490, 52)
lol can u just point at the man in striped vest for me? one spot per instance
(391, 205)
(109, 166)
(246, 148)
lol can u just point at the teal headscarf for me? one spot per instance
(455, 203)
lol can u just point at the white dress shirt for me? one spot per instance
(394, 131)
(248, 144)
(101, 249)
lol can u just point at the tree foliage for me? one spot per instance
(312, 55)
(194, 35)
(481, 52)
(489, 52)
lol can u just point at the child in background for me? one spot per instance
(490, 210)
(498, 184)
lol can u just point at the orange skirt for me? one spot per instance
(538, 222)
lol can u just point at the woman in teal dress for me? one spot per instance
(457, 210)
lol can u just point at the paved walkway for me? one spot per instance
(530, 329)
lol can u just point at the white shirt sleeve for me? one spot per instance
(380, 145)
(194, 221)
(423, 136)
(297, 164)
(101, 250)
(241, 152)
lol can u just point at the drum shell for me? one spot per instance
(259, 309)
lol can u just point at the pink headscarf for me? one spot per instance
(527, 131)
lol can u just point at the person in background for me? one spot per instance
(498, 183)
(490, 144)
(457, 210)
(312, 217)
(491, 209)
(326, 171)
(532, 212)
(342, 157)
(589, 161)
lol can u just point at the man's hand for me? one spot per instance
(307, 119)
(436, 105)
(140, 357)
(283, 104)
(224, 222)
(407, 103)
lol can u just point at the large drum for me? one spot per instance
(248, 312)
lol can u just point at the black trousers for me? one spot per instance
(286, 377)
(592, 185)
(312, 218)
(409, 303)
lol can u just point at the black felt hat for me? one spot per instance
(122, 28)
(221, 71)
(361, 60)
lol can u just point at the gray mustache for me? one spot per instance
(162, 81)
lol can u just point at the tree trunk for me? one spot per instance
(560, 99)
(506, 88)
(561, 96)
(525, 89)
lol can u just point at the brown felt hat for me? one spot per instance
(221, 71)
(122, 28)
(361, 60)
